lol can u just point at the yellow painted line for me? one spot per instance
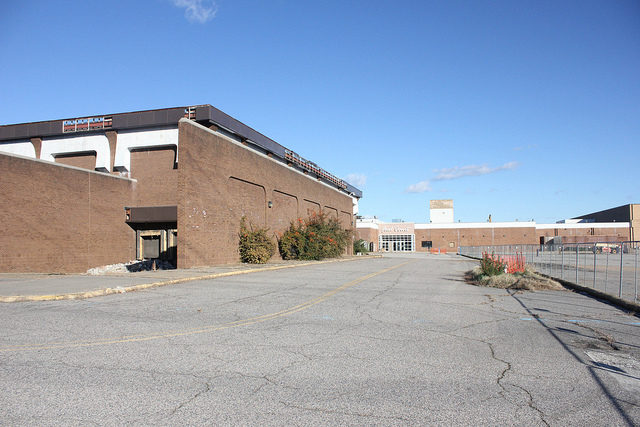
(211, 328)
(122, 290)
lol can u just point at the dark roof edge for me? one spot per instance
(204, 114)
(119, 121)
(620, 213)
(219, 118)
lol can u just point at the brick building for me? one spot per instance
(170, 183)
(442, 233)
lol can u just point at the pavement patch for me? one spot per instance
(203, 329)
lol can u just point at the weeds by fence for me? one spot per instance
(610, 267)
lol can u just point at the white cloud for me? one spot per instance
(420, 187)
(356, 179)
(471, 170)
(526, 147)
(199, 11)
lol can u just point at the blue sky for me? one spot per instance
(518, 109)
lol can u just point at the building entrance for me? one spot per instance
(396, 242)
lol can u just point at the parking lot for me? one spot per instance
(398, 340)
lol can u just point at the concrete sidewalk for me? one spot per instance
(52, 287)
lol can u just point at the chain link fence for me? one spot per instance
(610, 267)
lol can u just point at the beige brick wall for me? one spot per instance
(441, 204)
(634, 233)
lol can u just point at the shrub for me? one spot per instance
(255, 245)
(360, 246)
(492, 265)
(317, 237)
(526, 280)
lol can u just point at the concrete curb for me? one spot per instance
(618, 302)
(122, 290)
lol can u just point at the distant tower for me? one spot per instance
(441, 211)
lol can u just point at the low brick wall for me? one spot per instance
(59, 219)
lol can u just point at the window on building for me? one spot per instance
(427, 244)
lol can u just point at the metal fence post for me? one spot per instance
(606, 273)
(594, 266)
(635, 274)
(562, 263)
(584, 272)
(621, 254)
(577, 261)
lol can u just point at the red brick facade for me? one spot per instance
(451, 237)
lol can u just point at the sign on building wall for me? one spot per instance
(397, 228)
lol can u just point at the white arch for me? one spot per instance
(130, 140)
(21, 148)
(53, 147)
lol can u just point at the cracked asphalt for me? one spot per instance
(399, 340)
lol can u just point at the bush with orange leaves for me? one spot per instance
(317, 237)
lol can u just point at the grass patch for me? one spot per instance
(527, 280)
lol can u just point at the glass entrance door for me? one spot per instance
(396, 242)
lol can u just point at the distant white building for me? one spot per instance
(441, 211)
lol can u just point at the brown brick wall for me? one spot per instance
(79, 160)
(309, 206)
(332, 212)
(157, 180)
(449, 239)
(368, 235)
(587, 235)
(249, 200)
(284, 209)
(61, 220)
(209, 176)
(444, 238)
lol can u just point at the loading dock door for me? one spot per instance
(156, 231)
(151, 246)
